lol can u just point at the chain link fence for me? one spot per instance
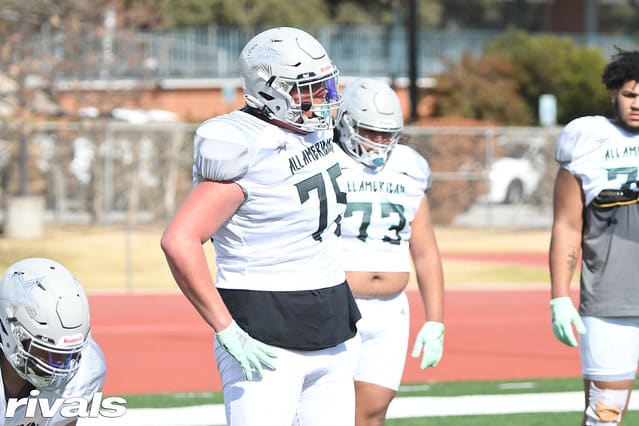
(106, 172)
(100, 172)
(490, 176)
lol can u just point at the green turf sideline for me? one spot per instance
(404, 407)
(458, 388)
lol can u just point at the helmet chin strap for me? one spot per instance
(266, 114)
(287, 126)
(376, 160)
(371, 160)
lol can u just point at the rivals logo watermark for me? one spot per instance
(68, 407)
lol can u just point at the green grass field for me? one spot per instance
(425, 389)
(449, 389)
(525, 419)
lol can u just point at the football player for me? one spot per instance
(386, 226)
(48, 355)
(596, 217)
(266, 193)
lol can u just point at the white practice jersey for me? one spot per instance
(600, 154)
(604, 156)
(283, 237)
(88, 380)
(381, 205)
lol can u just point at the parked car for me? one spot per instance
(513, 180)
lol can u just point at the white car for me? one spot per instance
(513, 180)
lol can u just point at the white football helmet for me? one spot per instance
(44, 321)
(283, 71)
(371, 121)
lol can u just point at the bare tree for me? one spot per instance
(59, 56)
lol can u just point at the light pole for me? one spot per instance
(23, 186)
(412, 59)
(591, 21)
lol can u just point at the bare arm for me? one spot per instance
(206, 208)
(427, 260)
(566, 237)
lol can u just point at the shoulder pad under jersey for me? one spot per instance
(574, 135)
(221, 151)
(410, 162)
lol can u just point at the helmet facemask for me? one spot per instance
(46, 366)
(314, 103)
(371, 146)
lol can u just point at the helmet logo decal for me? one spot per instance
(26, 298)
(327, 67)
(72, 340)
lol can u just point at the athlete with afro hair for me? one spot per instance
(596, 216)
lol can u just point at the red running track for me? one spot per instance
(158, 343)
(519, 259)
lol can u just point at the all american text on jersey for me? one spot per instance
(375, 186)
(629, 151)
(310, 154)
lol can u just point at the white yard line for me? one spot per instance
(404, 407)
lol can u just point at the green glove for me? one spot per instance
(250, 353)
(431, 339)
(564, 315)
